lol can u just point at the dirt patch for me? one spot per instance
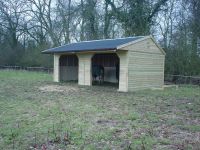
(121, 132)
(58, 88)
(112, 123)
(142, 132)
(177, 138)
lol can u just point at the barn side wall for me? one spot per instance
(109, 61)
(145, 66)
(68, 73)
(68, 67)
(110, 74)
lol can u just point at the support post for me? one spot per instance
(85, 74)
(56, 71)
(123, 73)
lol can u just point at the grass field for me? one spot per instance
(36, 113)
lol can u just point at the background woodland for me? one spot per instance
(29, 26)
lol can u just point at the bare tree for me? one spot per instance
(136, 16)
(44, 18)
(166, 22)
(65, 12)
(12, 19)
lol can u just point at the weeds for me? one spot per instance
(73, 117)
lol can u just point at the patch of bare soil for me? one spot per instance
(121, 133)
(140, 132)
(179, 138)
(112, 123)
(58, 88)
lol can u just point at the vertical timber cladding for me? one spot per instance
(69, 67)
(123, 73)
(56, 70)
(145, 66)
(85, 75)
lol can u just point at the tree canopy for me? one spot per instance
(29, 26)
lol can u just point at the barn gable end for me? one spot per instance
(145, 64)
(144, 45)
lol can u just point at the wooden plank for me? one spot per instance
(56, 71)
(85, 76)
(123, 73)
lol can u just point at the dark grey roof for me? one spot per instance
(96, 45)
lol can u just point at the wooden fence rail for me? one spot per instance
(176, 79)
(37, 69)
(181, 79)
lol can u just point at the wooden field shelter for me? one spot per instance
(140, 61)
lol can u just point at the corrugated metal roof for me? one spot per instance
(96, 45)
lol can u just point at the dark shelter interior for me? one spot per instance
(105, 68)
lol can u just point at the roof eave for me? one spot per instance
(77, 51)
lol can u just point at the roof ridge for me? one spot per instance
(101, 40)
(109, 39)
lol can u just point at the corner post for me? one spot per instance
(123, 73)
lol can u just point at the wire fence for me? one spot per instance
(169, 79)
(36, 69)
(181, 79)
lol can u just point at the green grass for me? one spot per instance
(35, 112)
(193, 128)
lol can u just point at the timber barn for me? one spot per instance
(133, 63)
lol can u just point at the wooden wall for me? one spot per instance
(110, 74)
(145, 65)
(68, 73)
(68, 68)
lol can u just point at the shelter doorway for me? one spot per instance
(68, 68)
(105, 69)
